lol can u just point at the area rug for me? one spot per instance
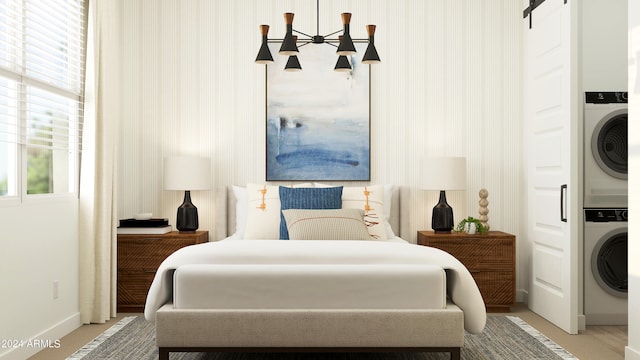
(504, 337)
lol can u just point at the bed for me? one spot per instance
(251, 293)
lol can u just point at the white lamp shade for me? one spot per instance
(444, 173)
(187, 173)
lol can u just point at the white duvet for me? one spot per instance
(461, 286)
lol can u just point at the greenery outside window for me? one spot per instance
(42, 52)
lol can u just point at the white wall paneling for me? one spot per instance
(632, 351)
(39, 246)
(448, 85)
(603, 29)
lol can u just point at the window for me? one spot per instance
(42, 48)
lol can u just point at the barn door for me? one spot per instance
(552, 135)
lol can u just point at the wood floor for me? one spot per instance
(596, 343)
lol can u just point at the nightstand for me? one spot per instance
(139, 256)
(490, 258)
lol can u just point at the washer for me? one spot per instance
(605, 266)
(605, 150)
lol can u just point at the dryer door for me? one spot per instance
(609, 144)
(609, 262)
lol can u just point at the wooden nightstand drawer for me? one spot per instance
(146, 253)
(486, 254)
(490, 258)
(139, 257)
(132, 290)
(497, 287)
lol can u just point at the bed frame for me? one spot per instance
(309, 330)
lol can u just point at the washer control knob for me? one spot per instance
(623, 215)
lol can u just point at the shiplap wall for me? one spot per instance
(448, 85)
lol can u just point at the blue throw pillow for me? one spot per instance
(307, 198)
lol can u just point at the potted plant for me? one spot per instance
(471, 225)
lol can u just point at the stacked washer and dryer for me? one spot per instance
(605, 208)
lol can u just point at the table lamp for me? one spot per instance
(443, 173)
(187, 173)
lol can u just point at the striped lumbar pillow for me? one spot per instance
(338, 224)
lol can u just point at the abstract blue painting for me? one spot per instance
(317, 122)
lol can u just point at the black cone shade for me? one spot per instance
(264, 54)
(371, 55)
(342, 64)
(346, 46)
(293, 64)
(288, 46)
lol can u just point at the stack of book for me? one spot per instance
(150, 226)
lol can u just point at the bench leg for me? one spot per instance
(455, 354)
(163, 354)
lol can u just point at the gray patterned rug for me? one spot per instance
(504, 337)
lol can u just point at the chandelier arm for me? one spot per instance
(326, 40)
(333, 33)
(307, 43)
(301, 33)
(354, 40)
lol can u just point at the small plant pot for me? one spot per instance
(470, 228)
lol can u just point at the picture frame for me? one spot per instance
(318, 120)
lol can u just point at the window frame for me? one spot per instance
(24, 85)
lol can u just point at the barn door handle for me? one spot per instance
(563, 194)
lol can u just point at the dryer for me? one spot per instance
(605, 266)
(605, 150)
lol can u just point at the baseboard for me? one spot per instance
(582, 323)
(50, 338)
(631, 354)
(522, 296)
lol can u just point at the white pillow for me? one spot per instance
(388, 194)
(240, 194)
(373, 201)
(338, 224)
(263, 213)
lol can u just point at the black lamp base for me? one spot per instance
(187, 219)
(442, 216)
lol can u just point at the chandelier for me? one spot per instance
(345, 43)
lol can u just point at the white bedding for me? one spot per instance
(461, 286)
(315, 286)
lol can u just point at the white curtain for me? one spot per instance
(98, 175)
